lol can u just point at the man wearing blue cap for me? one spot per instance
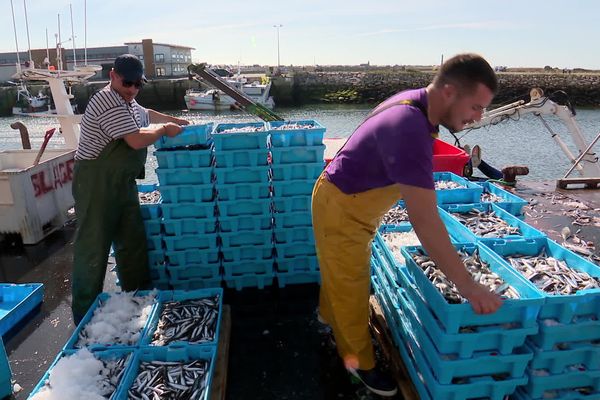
(111, 154)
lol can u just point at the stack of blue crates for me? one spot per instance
(152, 216)
(143, 350)
(188, 222)
(244, 204)
(297, 152)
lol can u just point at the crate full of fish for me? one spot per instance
(297, 277)
(177, 372)
(184, 176)
(243, 191)
(240, 136)
(174, 194)
(189, 226)
(293, 188)
(397, 215)
(150, 199)
(569, 282)
(581, 384)
(304, 171)
(245, 223)
(296, 133)
(228, 176)
(192, 256)
(503, 198)
(521, 305)
(241, 158)
(484, 221)
(82, 374)
(391, 238)
(296, 155)
(235, 208)
(292, 204)
(302, 263)
(247, 253)
(193, 241)
(114, 320)
(239, 269)
(292, 219)
(181, 273)
(246, 238)
(552, 334)
(502, 338)
(293, 235)
(192, 137)
(188, 210)
(185, 317)
(259, 281)
(184, 158)
(560, 394)
(453, 189)
(585, 355)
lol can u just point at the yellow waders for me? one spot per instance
(344, 227)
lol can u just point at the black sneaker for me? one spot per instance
(376, 381)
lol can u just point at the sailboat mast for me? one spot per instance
(85, 30)
(16, 40)
(27, 27)
(73, 37)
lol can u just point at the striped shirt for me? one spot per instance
(108, 117)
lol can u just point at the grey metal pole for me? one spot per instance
(278, 60)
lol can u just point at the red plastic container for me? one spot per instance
(448, 158)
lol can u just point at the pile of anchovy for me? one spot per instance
(447, 185)
(163, 380)
(553, 276)
(293, 125)
(478, 269)
(396, 215)
(245, 129)
(149, 197)
(112, 373)
(395, 241)
(491, 198)
(193, 321)
(486, 224)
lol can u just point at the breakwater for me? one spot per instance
(582, 90)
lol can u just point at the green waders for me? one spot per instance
(108, 212)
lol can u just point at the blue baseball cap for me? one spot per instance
(130, 68)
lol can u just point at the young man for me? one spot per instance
(110, 156)
(389, 157)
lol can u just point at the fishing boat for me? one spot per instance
(39, 105)
(217, 100)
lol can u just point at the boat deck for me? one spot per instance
(277, 349)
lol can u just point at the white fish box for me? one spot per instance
(34, 200)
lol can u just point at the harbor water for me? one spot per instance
(512, 142)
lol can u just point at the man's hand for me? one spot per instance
(482, 300)
(172, 129)
(182, 121)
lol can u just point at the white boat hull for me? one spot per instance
(216, 100)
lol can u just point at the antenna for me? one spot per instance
(27, 26)
(47, 60)
(16, 41)
(58, 45)
(73, 37)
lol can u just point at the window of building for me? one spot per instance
(160, 71)
(159, 58)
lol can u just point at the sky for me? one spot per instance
(513, 33)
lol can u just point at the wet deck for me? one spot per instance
(277, 350)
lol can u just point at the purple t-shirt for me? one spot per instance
(394, 146)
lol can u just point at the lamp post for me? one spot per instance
(277, 27)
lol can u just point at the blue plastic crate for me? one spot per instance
(471, 193)
(245, 223)
(103, 297)
(16, 301)
(250, 280)
(152, 227)
(563, 394)
(428, 387)
(237, 268)
(156, 257)
(184, 176)
(187, 242)
(296, 249)
(464, 344)
(237, 254)
(150, 210)
(297, 278)
(543, 386)
(192, 135)
(100, 354)
(246, 238)
(194, 271)
(293, 188)
(461, 233)
(552, 333)
(304, 171)
(300, 264)
(179, 295)
(296, 155)
(292, 235)
(173, 194)
(241, 158)
(563, 308)
(243, 191)
(240, 140)
(158, 273)
(227, 176)
(523, 311)
(310, 135)
(181, 353)
(188, 210)
(234, 208)
(292, 204)
(5, 373)
(292, 220)
(510, 202)
(184, 158)
(190, 226)
(383, 247)
(195, 283)
(154, 242)
(573, 353)
(192, 256)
